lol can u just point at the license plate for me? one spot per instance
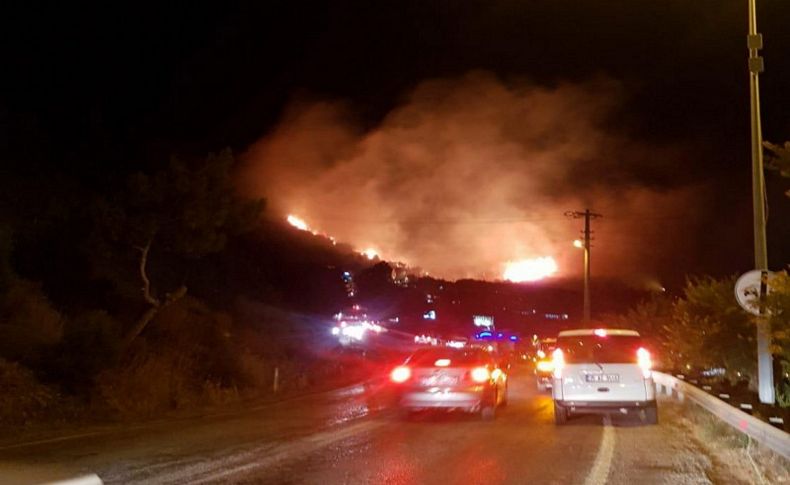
(440, 380)
(602, 377)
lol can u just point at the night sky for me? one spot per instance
(99, 90)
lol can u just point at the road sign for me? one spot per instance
(747, 290)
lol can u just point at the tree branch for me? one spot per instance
(144, 275)
(149, 315)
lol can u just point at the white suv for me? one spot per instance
(602, 371)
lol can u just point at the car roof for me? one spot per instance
(592, 331)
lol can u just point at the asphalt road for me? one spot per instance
(349, 436)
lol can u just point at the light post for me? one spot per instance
(754, 41)
(585, 245)
(587, 215)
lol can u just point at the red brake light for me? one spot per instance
(400, 374)
(480, 374)
(644, 361)
(558, 359)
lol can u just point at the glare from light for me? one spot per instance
(530, 269)
(400, 374)
(600, 332)
(335, 331)
(480, 374)
(545, 365)
(297, 222)
(370, 253)
(578, 243)
(558, 359)
(357, 332)
(442, 363)
(644, 361)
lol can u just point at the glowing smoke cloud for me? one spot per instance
(471, 173)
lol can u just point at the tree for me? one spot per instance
(176, 217)
(653, 319)
(711, 330)
(779, 159)
(777, 304)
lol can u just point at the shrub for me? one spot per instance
(185, 359)
(23, 399)
(90, 344)
(28, 322)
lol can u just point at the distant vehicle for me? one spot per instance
(544, 366)
(602, 371)
(446, 378)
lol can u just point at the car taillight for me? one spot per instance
(644, 361)
(480, 374)
(400, 374)
(558, 359)
(545, 365)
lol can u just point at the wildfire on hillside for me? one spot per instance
(530, 269)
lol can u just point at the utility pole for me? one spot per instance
(754, 42)
(587, 215)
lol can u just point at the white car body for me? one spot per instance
(606, 376)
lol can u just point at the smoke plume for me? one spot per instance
(469, 173)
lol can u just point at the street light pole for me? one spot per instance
(764, 361)
(587, 214)
(587, 310)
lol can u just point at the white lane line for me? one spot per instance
(91, 479)
(603, 460)
(109, 430)
(223, 469)
(54, 440)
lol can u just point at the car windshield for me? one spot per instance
(427, 357)
(611, 349)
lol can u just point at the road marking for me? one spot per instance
(55, 440)
(603, 460)
(91, 479)
(119, 427)
(222, 469)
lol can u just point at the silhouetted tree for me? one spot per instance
(182, 213)
(779, 159)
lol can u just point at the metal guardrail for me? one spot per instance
(760, 431)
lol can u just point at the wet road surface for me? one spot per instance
(348, 436)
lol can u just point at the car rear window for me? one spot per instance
(427, 357)
(611, 349)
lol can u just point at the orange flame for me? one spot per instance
(298, 222)
(530, 269)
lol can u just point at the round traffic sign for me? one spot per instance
(747, 290)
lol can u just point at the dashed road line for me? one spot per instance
(603, 460)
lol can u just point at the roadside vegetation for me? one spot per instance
(704, 333)
(137, 299)
(164, 291)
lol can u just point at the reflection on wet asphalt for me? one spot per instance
(521, 446)
(352, 436)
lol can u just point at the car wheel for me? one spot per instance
(406, 414)
(488, 413)
(560, 414)
(651, 415)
